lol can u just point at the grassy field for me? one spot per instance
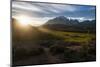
(72, 36)
(52, 46)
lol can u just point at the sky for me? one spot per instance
(42, 12)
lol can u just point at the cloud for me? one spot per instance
(41, 10)
(41, 7)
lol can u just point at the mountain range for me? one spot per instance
(62, 20)
(64, 24)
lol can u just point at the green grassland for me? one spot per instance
(75, 37)
(50, 46)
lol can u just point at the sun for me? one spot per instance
(24, 20)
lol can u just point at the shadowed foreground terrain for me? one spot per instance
(43, 45)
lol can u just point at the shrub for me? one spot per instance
(71, 55)
(22, 53)
(36, 51)
(57, 50)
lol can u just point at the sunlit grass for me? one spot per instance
(71, 36)
(76, 37)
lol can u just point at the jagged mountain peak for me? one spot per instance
(61, 17)
(58, 20)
